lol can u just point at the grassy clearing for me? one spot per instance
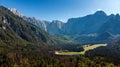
(86, 48)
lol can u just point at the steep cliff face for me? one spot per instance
(85, 25)
(55, 27)
(37, 22)
(112, 25)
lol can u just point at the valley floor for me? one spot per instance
(86, 48)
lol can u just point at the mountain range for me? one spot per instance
(30, 42)
(87, 28)
(96, 23)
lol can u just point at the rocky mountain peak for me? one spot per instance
(100, 13)
(14, 11)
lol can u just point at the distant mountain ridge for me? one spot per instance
(85, 25)
(95, 23)
(50, 27)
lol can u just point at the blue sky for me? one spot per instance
(61, 9)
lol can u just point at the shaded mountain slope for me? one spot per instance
(14, 28)
(85, 25)
(112, 25)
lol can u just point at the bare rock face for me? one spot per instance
(32, 20)
(4, 19)
(16, 12)
(53, 27)
(37, 22)
(4, 22)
